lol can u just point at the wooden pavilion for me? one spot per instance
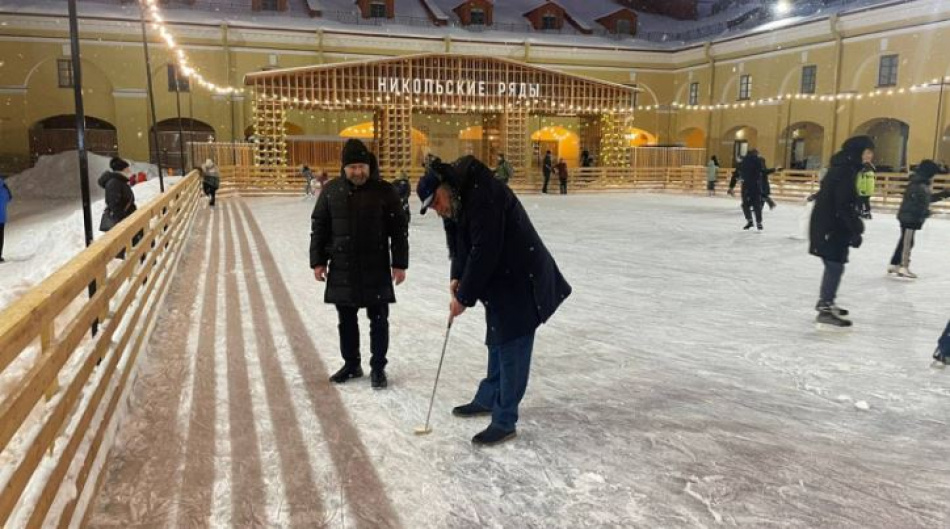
(503, 91)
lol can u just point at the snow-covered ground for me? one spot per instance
(683, 385)
(45, 228)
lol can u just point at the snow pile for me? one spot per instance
(57, 176)
(40, 240)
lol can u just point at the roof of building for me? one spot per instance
(733, 17)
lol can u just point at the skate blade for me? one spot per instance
(830, 327)
(422, 430)
(937, 364)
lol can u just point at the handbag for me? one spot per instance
(107, 222)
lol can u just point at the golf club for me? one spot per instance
(424, 430)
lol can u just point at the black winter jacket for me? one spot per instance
(120, 200)
(915, 207)
(498, 257)
(361, 233)
(834, 220)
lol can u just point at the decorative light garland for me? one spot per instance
(844, 96)
(158, 24)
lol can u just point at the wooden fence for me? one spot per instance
(786, 185)
(57, 417)
(238, 153)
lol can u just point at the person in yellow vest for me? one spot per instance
(866, 184)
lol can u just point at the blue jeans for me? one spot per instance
(504, 386)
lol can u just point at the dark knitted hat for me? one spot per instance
(356, 152)
(118, 165)
(857, 144)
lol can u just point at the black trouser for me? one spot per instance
(350, 334)
(547, 178)
(563, 187)
(752, 203)
(210, 191)
(905, 244)
(2, 225)
(865, 206)
(831, 280)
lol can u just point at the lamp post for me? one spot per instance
(938, 135)
(81, 136)
(153, 118)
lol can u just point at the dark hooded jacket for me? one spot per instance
(915, 207)
(360, 233)
(498, 257)
(120, 200)
(754, 175)
(835, 224)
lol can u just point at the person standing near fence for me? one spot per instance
(547, 167)
(914, 210)
(712, 173)
(836, 227)
(504, 170)
(211, 180)
(308, 178)
(562, 174)
(5, 198)
(866, 185)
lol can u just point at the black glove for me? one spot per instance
(856, 241)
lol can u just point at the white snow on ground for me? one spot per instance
(45, 229)
(684, 383)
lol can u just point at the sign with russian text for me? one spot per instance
(460, 87)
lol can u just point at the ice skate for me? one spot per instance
(906, 273)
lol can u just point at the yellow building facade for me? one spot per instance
(726, 96)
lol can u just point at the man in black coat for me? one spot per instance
(755, 187)
(547, 168)
(498, 259)
(359, 245)
(836, 225)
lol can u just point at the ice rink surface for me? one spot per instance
(683, 385)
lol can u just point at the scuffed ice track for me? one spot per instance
(683, 385)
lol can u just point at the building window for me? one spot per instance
(183, 84)
(270, 5)
(809, 76)
(477, 16)
(887, 74)
(745, 87)
(623, 27)
(65, 69)
(693, 93)
(548, 21)
(377, 10)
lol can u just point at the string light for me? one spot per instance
(844, 96)
(184, 68)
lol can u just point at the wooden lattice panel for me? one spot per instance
(270, 119)
(392, 129)
(514, 134)
(612, 141)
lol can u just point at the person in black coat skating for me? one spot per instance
(359, 245)
(755, 187)
(836, 225)
(498, 259)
